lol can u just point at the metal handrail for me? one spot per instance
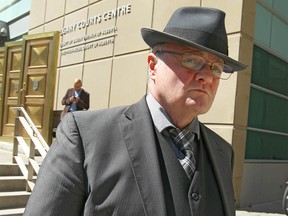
(32, 125)
(36, 142)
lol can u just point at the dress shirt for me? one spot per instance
(162, 121)
(74, 105)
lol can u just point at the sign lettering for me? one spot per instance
(97, 19)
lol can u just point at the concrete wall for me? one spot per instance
(263, 181)
(127, 44)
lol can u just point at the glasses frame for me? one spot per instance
(206, 61)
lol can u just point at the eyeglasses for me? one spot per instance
(197, 63)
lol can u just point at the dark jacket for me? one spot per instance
(107, 162)
(83, 103)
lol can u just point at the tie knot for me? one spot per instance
(182, 138)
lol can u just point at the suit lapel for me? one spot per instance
(139, 137)
(221, 170)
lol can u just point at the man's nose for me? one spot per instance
(205, 75)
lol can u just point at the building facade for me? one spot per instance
(101, 44)
(266, 152)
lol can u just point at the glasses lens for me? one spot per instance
(196, 63)
(217, 69)
(193, 62)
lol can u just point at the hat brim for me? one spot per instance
(153, 37)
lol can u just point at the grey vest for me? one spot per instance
(201, 196)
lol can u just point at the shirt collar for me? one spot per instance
(160, 117)
(162, 120)
(78, 92)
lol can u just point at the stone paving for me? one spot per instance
(245, 213)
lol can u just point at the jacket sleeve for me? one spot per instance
(84, 101)
(65, 99)
(232, 160)
(60, 187)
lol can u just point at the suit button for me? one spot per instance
(195, 196)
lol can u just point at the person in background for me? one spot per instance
(75, 99)
(154, 157)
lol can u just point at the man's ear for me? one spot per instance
(152, 61)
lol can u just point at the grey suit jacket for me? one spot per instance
(105, 163)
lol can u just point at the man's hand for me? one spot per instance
(71, 99)
(74, 99)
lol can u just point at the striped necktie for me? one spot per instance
(183, 140)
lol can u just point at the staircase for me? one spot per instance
(13, 195)
(17, 179)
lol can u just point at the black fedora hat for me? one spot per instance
(199, 27)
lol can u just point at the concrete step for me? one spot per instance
(16, 199)
(9, 169)
(12, 212)
(12, 183)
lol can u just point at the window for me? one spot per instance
(266, 146)
(267, 131)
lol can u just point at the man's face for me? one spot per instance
(77, 86)
(178, 88)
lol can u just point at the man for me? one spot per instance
(75, 99)
(153, 157)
